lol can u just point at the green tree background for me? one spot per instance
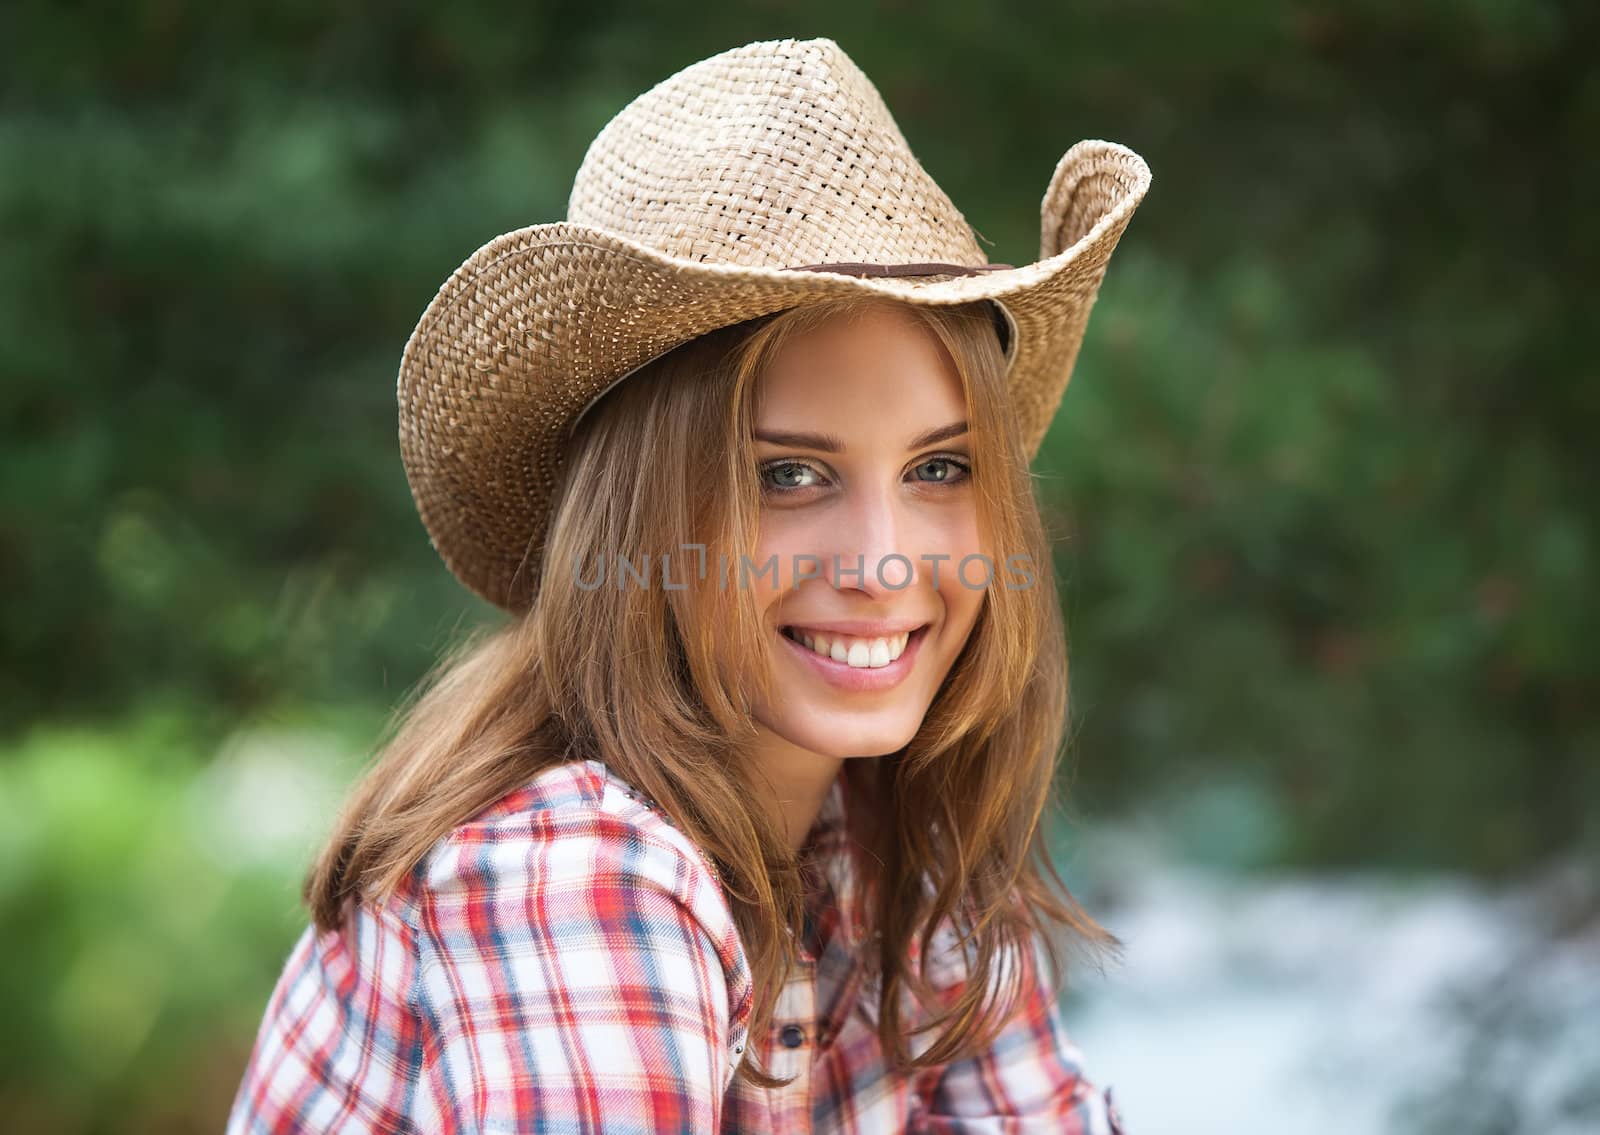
(1324, 480)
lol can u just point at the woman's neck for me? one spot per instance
(800, 781)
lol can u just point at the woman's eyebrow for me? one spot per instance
(827, 443)
(943, 433)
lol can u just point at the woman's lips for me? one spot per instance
(859, 679)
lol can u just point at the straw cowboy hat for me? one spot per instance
(763, 177)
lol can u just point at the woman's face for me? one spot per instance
(868, 510)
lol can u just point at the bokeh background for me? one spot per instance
(1324, 480)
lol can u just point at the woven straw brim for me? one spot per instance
(539, 322)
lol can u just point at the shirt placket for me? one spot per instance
(791, 1045)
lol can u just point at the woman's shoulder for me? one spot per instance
(576, 801)
(574, 827)
(561, 928)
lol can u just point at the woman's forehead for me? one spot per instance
(870, 370)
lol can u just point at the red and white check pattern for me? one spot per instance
(565, 962)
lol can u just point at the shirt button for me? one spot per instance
(793, 1036)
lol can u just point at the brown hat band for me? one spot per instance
(925, 268)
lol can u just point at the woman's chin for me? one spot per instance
(846, 738)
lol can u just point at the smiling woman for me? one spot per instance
(759, 854)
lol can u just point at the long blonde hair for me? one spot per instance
(658, 682)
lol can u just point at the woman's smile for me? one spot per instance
(875, 660)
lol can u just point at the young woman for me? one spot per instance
(736, 826)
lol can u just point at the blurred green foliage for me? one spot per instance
(147, 906)
(1324, 480)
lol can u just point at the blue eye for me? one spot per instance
(946, 470)
(783, 475)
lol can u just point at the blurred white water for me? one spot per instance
(1355, 1005)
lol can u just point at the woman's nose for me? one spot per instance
(870, 550)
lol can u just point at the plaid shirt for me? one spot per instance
(565, 962)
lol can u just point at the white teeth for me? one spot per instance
(862, 653)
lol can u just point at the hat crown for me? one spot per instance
(775, 154)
